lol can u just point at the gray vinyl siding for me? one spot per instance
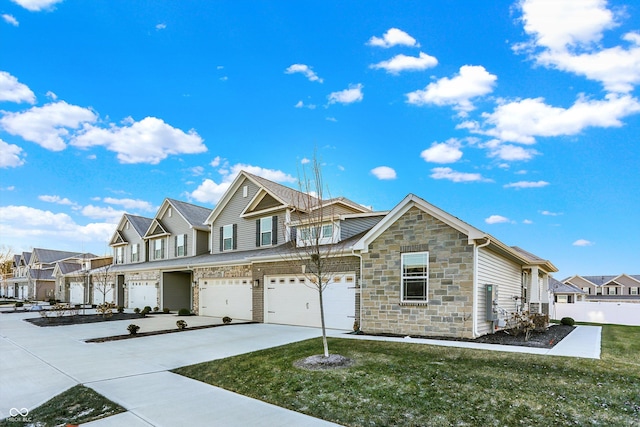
(506, 274)
(352, 226)
(246, 226)
(132, 237)
(176, 225)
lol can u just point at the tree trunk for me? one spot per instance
(324, 330)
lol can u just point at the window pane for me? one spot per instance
(415, 264)
(415, 289)
(266, 239)
(228, 244)
(327, 230)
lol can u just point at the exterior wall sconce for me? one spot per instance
(194, 284)
(256, 283)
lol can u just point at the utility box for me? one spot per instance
(491, 302)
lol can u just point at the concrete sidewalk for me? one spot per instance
(39, 363)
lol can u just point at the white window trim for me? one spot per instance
(306, 235)
(266, 227)
(135, 252)
(403, 277)
(227, 235)
(181, 245)
(156, 243)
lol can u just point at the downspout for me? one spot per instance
(476, 248)
(353, 252)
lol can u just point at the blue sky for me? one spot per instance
(521, 118)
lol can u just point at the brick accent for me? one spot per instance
(449, 308)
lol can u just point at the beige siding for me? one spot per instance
(507, 275)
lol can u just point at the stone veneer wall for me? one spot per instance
(231, 271)
(348, 264)
(449, 309)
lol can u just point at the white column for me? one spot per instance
(534, 295)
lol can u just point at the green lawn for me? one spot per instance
(413, 384)
(77, 405)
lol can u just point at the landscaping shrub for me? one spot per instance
(540, 321)
(148, 308)
(567, 321)
(184, 312)
(226, 320)
(19, 304)
(181, 324)
(145, 311)
(106, 309)
(133, 329)
(166, 310)
(155, 309)
(136, 310)
(521, 324)
(120, 309)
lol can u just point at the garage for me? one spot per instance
(142, 294)
(292, 300)
(226, 297)
(76, 293)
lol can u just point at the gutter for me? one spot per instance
(476, 248)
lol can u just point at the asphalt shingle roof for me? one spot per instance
(195, 215)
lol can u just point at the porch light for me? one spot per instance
(256, 283)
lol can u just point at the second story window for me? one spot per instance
(135, 252)
(120, 255)
(181, 245)
(158, 249)
(228, 237)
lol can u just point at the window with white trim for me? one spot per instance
(181, 245)
(158, 249)
(120, 255)
(327, 231)
(633, 291)
(612, 290)
(586, 289)
(135, 252)
(318, 234)
(414, 277)
(265, 231)
(227, 237)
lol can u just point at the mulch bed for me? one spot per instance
(80, 319)
(547, 339)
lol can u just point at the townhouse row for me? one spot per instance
(413, 270)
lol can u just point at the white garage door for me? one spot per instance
(226, 297)
(142, 294)
(76, 293)
(292, 300)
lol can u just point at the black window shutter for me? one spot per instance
(257, 233)
(221, 240)
(175, 246)
(235, 236)
(274, 230)
(185, 245)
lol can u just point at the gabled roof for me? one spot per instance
(193, 214)
(25, 258)
(16, 260)
(66, 268)
(472, 233)
(604, 280)
(557, 287)
(50, 256)
(156, 229)
(41, 273)
(117, 239)
(140, 225)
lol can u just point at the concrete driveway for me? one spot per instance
(38, 363)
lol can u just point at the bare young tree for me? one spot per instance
(103, 282)
(315, 250)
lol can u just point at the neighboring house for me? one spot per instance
(75, 280)
(128, 241)
(623, 287)
(18, 285)
(415, 270)
(565, 292)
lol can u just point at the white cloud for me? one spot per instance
(393, 37)
(107, 213)
(510, 152)
(496, 219)
(51, 95)
(549, 213)
(148, 141)
(471, 82)
(10, 19)
(10, 155)
(451, 175)
(523, 120)
(384, 172)
(305, 70)
(47, 126)
(583, 242)
(133, 204)
(526, 184)
(527, 221)
(161, 26)
(301, 104)
(57, 200)
(13, 91)
(331, 119)
(347, 96)
(568, 36)
(406, 63)
(20, 224)
(443, 152)
(37, 5)
(210, 192)
(304, 161)
(215, 162)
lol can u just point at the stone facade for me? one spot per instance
(448, 311)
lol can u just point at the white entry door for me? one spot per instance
(293, 300)
(226, 297)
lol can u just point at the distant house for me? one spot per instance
(623, 287)
(565, 292)
(413, 270)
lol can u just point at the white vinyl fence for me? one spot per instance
(619, 313)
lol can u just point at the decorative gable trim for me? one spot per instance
(155, 230)
(253, 208)
(616, 280)
(118, 239)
